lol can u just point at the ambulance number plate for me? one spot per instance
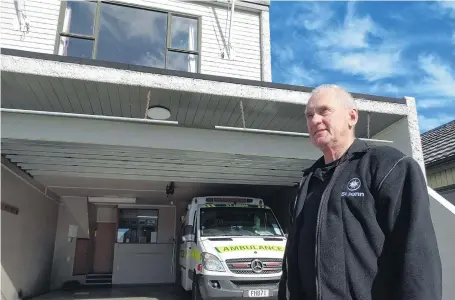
(258, 293)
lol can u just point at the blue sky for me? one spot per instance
(388, 48)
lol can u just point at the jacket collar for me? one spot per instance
(356, 148)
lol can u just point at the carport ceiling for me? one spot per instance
(107, 162)
(42, 93)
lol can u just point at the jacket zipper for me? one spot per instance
(324, 198)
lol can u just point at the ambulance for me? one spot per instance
(231, 247)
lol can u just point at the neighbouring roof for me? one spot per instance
(438, 144)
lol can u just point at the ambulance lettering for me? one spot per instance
(249, 247)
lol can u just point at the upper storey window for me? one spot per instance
(132, 35)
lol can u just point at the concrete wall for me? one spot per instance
(72, 211)
(398, 133)
(450, 196)
(27, 239)
(247, 32)
(444, 223)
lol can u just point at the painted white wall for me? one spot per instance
(43, 16)
(143, 264)
(444, 224)
(398, 133)
(27, 239)
(72, 211)
(246, 33)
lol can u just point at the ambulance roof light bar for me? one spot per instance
(228, 199)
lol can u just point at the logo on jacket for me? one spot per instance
(353, 185)
(257, 266)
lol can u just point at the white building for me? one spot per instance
(80, 156)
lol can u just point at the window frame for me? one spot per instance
(96, 28)
(138, 209)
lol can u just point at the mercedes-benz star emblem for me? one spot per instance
(257, 266)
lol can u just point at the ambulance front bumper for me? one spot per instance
(230, 287)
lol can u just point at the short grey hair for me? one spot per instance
(340, 93)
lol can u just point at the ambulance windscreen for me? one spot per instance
(234, 221)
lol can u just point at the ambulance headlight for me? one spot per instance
(211, 262)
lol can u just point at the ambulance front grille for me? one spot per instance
(243, 265)
(253, 284)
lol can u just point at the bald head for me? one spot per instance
(331, 115)
(338, 94)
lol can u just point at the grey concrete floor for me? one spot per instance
(168, 292)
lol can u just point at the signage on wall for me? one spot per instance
(11, 209)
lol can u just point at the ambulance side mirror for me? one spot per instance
(187, 234)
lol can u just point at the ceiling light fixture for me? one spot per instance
(158, 113)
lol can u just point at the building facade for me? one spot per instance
(439, 152)
(116, 113)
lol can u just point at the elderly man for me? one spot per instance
(360, 225)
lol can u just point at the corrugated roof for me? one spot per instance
(439, 143)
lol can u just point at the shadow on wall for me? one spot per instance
(27, 238)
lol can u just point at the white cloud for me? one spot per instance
(312, 16)
(283, 53)
(371, 65)
(347, 47)
(427, 123)
(448, 6)
(298, 75)
(382, 88)
(439, 79)
(434, 103)
(352, 34)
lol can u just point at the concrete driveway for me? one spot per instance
(168, 292)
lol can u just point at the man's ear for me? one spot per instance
(353, 117)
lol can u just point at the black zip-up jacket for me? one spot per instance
(374, 237)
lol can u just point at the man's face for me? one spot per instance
(329, 120)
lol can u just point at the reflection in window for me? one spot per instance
(76, 47)
(138, 226)
(79, 17)
(182, 61)
(78, 26)
(129, 35)
(183, 56)
(184, 33)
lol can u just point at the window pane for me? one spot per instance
(238, 221)
(70, 46)
(184, 33)
(131, 35)
(79, 17)
(138, 226)
(182, 61)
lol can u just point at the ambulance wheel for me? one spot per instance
(195, 292)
